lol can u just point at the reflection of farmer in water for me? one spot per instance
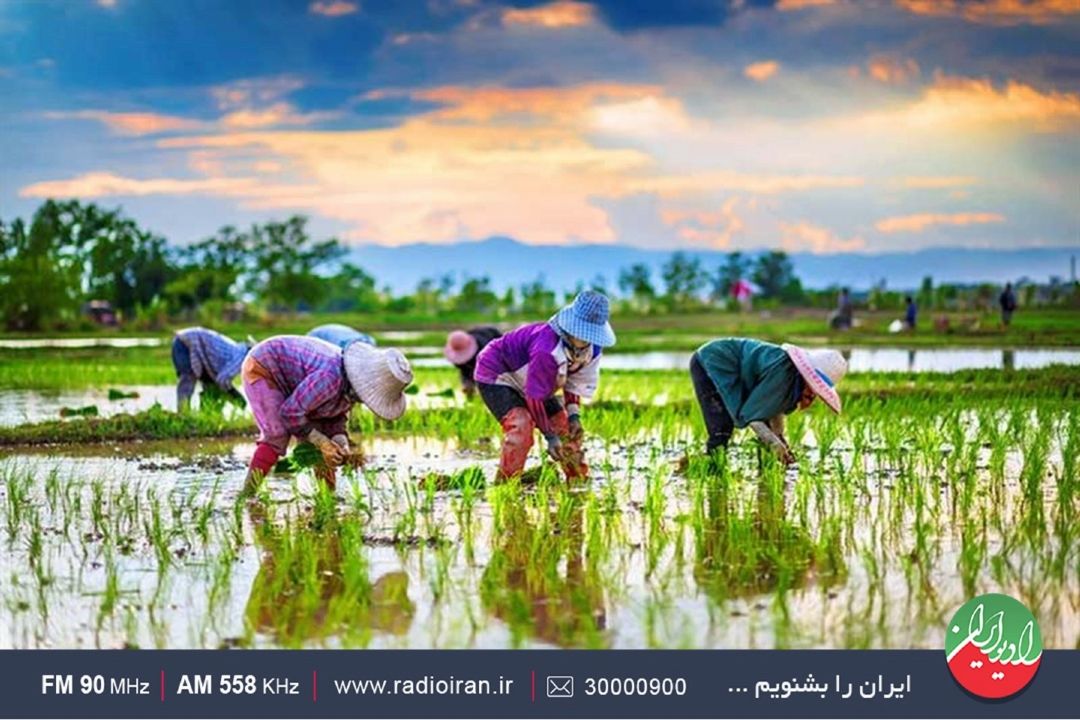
(743, 552)
(525, 586)
(312, 585)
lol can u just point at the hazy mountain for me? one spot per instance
(511, 263)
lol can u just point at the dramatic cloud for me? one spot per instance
(892, 70)
(278, 114)
(131, 123)
(963, 101)
(715, 230)
(996, 12)
(104, 184)
(801, 4)
(564, 13)
(959, 106)
(243, 94)
(761, 71)
(806, 124)
(920, 222)
(808, 237)
(745, 182)
(333, 8)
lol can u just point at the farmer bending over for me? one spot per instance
(304, 387)
(207, 356)
(340, 335)
(462, 347)
(741, 382)
(519, 374)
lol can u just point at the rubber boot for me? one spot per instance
(518, 428)
(262, 463)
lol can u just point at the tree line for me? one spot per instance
(71, 252)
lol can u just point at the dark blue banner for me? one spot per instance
(514, 684)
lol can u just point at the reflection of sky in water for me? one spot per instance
(27, 406)
(81, 342)
(870, 359)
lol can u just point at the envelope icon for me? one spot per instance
(560, 686)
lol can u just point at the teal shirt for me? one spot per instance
(755, 379)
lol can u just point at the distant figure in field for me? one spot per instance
(741, 382)
(203, 355)
(340, 335)
(462, 347)
(911, 313)
(1007, 300)
(843, 317)
(742, 293)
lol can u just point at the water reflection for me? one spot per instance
(313, 584)
(754, 551)
(883, 359)
(540, 582)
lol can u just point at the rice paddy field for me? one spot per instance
(125, 527)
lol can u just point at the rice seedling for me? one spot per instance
(923, 493)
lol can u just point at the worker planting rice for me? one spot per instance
(520, 374)
(200, 354)
(340, 335)
(304, 387)
(462, 347)
(741, 382)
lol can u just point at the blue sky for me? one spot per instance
(808, 125)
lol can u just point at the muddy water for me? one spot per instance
(656, 578)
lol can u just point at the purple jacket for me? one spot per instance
(533, 361)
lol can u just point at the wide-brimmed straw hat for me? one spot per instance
(461, 347)
(587, 319)
(821, 369)
(379, 378)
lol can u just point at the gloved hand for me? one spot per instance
(577, 433)
(555, 448)
(333, 453)
(343, 440)
(786, 456)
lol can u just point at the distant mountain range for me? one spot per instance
(511, 263)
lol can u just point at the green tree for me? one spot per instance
(476, 296)
(120, 262)
(684, 279)
(285, 261)
(39, 277)
(636, 282)
(925, 297)
(736, 266)
(351, 288)
(537, 298)
(775, 275)
(209, 270)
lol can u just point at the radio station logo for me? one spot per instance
(993, 646)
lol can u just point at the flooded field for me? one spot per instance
(895, 514)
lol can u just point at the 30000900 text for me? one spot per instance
(635, 686)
